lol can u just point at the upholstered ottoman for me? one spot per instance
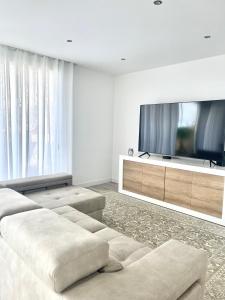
(84, 200)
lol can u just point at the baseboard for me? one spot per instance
(115, 180)
(94, 182)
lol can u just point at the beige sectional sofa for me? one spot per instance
(64, 254)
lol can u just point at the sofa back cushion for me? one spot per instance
(12, 202)
(58, 251)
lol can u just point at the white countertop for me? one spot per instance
(195, 165)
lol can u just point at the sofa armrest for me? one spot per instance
(172, 269)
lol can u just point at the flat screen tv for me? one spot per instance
(190, 129)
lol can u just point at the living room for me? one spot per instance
(112, 159)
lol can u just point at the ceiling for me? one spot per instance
(104, 31)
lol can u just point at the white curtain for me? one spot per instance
(35, 114)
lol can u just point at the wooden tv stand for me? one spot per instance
(184, 185)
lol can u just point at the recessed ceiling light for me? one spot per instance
(207, 36)
(69, 41)
(158, 2)
(123, 58)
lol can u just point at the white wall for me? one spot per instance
(92, 127)
(196, 80)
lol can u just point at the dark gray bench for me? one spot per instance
(28, 184)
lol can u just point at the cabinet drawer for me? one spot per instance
(178, 187)
(179, 175)
(208, 180)
(153, 181)
(132, 176)
(207, 194)
(132, 186)
(132, 171)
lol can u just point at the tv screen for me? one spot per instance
(191, 129)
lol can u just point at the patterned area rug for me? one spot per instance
(154, 225)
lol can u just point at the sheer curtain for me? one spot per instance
(35, 114)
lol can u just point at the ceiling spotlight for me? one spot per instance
(69, 41)
(123, 58)
(158, 2)
(207, 36)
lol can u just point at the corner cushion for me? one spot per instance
(58, 251)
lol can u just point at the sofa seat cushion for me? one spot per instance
(58, 251)
(82, 199)
(12, 202)
(124, 249)
(79, 218)
(35, 182)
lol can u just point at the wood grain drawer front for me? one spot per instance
(208, 180)
(197, 191)
(132, 176)
(178, 187)
(207, 194)
(153, 181)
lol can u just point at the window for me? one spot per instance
(35, 114)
